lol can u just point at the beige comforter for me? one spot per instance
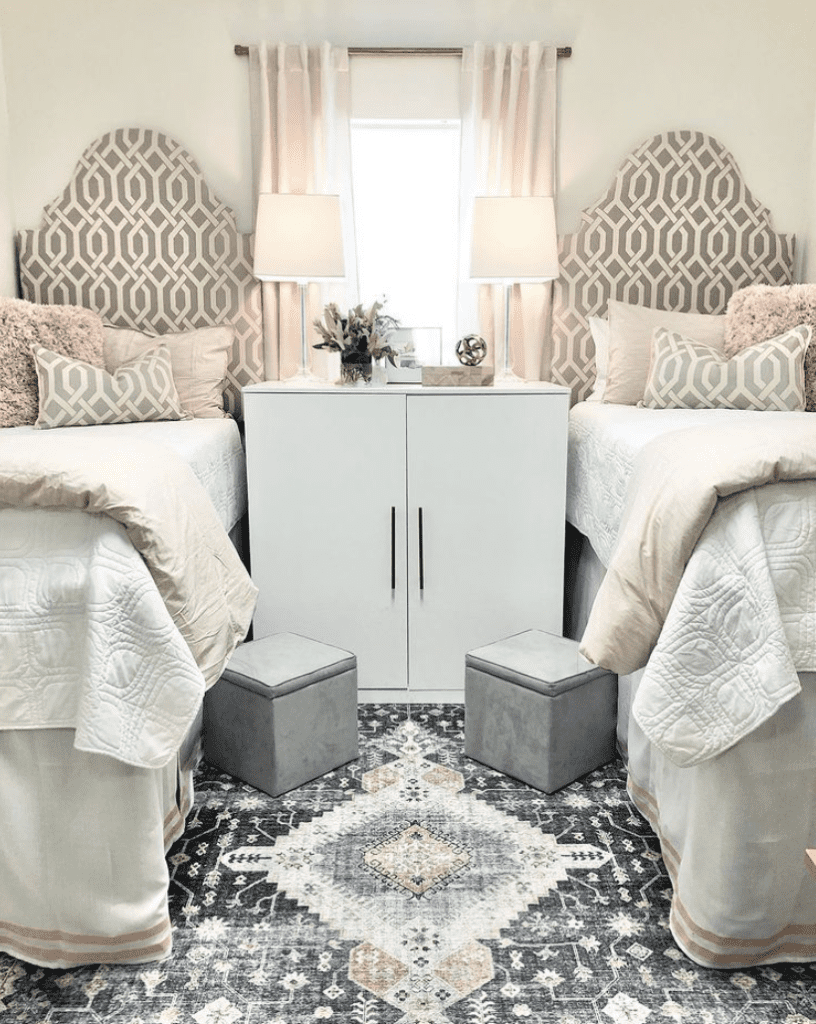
(710, 584)
(676, 483)
(171, 522)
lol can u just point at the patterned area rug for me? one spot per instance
(414, 886)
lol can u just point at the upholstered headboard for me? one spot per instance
(139, 237)
(678, 229)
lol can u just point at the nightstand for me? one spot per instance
(407, 524)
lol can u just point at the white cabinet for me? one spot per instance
(407, 525)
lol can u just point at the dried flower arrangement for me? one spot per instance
(359, 337)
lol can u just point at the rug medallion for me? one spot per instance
(417, 873)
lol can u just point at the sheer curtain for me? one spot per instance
(508, 149)
(299, 101)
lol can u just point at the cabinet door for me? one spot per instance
(325, 471)
(488, 473)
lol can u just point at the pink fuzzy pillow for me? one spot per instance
(764, 311)
(69, 330)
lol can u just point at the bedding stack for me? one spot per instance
(755, 356)
(666, 477)
(692, 478)
(64, 367)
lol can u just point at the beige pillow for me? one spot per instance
(199, 359)
(630, 344)
(70, 330)
(76, 394)
(686, 374)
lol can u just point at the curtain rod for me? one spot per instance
(402, 51)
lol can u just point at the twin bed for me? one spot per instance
(95, 771)
(121, 585)
(691, 548)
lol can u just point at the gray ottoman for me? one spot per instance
(537, 710)
(283, 712)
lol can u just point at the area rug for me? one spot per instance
(414, 886)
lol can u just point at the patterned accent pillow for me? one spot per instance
(76, 394)
(687, 374)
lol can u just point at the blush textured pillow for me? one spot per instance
(686, 374)
(76, 394)
(70, 330)
(630, 344)
(764, 311)
(199, 359)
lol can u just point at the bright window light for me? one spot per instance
(405, 178)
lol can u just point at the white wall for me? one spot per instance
(740, 69)
(7, 269)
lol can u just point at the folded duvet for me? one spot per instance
(703, 553)
(156, 628)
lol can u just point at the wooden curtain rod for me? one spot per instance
(402, 51)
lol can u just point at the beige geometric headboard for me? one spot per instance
(678, 229)
(139, 237)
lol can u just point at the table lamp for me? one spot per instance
(299, 238)
(515, 242)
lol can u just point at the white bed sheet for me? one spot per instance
(604, 440)
(211, 447)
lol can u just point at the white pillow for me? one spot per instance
(599, 328)
(630, 344)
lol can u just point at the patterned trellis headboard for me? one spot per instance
(138, 236)
(678, 229)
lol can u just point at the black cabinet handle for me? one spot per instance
(393, 548)
(421, 555)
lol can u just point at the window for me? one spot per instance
(405, 143)
(405, 178)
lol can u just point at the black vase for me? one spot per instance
(354, 367)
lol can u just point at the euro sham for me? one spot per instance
(630, 344)
(199, 359)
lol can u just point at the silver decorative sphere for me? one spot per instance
(471, 350)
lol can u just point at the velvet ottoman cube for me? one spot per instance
(283, 712)
(537, 710)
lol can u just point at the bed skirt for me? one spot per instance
(733, 830)
(83, 839)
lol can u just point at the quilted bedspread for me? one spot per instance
(147, 597)
(711, 583)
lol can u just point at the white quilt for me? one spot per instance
(86, 639)
(743, 617)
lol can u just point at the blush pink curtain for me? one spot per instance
(299, 104)
(508, 149)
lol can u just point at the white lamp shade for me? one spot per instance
(298, 238)
(514, 239)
